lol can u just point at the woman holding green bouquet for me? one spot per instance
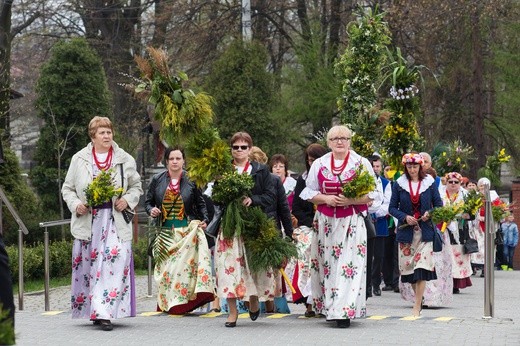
(235, 280)
(102, 266)
(338, 250)
(414, 195)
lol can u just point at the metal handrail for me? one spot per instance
(46, 270)
(21, 231)
(46, 253)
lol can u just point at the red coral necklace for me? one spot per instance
(246, 167)
(174, 187)
(337, 170)
(415, 197)
(103, 165)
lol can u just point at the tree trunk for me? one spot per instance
(476, 86)
(110, 30)
(5, 66)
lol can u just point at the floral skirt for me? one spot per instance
(338, 266)
(439, 288)
(477, 234)
(102, 272)
(234, 279)
(460, 262)
(298, 269)
(184, 280)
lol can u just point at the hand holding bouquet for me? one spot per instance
(361, 184)
(445, 214)
(101, 189)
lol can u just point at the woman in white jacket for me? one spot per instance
(102, 266)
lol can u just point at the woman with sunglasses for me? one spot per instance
(458, 231)
(234, 279)
(338, 250)
(414, 195)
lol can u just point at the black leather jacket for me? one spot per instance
(280, 209)
(194, 205)
(263, 193)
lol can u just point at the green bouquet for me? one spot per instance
(361, 184)
(101, 189)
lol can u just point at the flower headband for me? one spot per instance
(412, 159)
(453, 175)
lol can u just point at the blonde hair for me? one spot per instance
(339, 129)
(256, 154)
(96, 123)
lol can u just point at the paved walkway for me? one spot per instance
(388, 323)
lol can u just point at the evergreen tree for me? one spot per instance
(244, 93)
(22, 199)
(72, 89)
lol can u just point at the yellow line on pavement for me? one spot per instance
(443, 319)
(52, 313)
(150, 313)
(244, 315)
(212, 314)
(410, 318)
(277, 315)
(377, 318)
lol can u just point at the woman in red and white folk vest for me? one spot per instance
(338, 251)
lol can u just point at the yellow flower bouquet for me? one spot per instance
(101, 189)
(472, 202)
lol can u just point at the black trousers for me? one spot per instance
(377, 264)
(6, 286)
(391, 261)
(370, 255)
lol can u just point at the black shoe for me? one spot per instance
(254, 315)
(377, 292)
(96, 322)
(456, 291)
(482, 274)
(396, 289)
(231, 324)
(343, 323)
(309, 314)
(106, 325)
(388, 288)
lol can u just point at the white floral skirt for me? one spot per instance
(101, 272)
(234, 279)
(338, 266)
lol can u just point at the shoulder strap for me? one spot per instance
(122, 178)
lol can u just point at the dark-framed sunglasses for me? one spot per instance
(453, 182)
(242, 147)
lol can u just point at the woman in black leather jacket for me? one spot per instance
(180, 210)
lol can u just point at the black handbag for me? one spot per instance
(214, 225)
(369, 224)
(128, 214)
(470, 246)
(437, 240)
